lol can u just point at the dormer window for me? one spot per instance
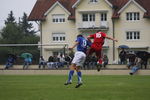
(132, 16)
(58, 18)
(93, 1)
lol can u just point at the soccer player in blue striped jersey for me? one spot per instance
(79, 57)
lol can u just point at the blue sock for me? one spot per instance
(70, 75)
(79, 76)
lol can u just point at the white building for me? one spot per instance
(62, 20)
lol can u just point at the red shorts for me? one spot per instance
(97, 50)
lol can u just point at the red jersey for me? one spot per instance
(98, 39)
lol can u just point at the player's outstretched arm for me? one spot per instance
(89, 39)
(110, 38)
(75, 44)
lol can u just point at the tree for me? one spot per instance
(10, 19)
(11, 33)
(18, 33)
(26, 27)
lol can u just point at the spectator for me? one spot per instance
(93, 62)
(145, 60)
(105, 59)
(86, 63)
(42, 62)
(51, 59)
(131, 58)
(10, 61)
(55, 58)
(144, 56)
(50, 63)
(27, 62)
(122, 56)
(137, 65)
(56, 61)
(62, 60)
(68, 60)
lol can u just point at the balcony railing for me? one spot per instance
(104, 24)
(92, 25)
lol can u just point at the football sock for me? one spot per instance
(70, 75)
(79, 76)
(100, 61)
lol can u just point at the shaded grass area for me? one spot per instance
(51, 87)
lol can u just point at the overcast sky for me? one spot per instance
(17, 6)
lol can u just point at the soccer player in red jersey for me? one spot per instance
(96, 47)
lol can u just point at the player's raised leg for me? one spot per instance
(99, 63)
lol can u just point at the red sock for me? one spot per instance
(100, 61)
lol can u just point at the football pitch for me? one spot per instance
(51, 87)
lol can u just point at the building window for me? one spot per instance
(58, 18)
(132, 16)
(88, 17)
(103, 16)
(133, 35)
(58, 37)
(93, 1)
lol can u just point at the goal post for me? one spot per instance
(35, 49)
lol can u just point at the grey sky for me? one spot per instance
(17, 6)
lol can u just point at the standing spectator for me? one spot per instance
(105, 59)
(145, 57)
(27, 62)
(42, 62)
(137, 65)
(10, 61)
(122, 56)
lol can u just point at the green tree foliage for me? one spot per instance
(11, 34)
(26, 26)
(18, 33)
(10, 19)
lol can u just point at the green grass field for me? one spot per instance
(94, 88)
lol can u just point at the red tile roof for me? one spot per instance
(117, 5)
(41, 6)
(146, 5)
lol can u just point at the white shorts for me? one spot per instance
(79, 58)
